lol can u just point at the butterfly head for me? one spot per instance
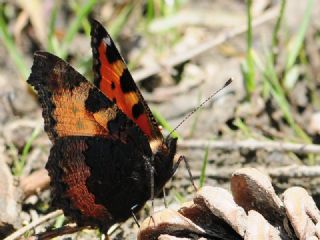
(163, 151)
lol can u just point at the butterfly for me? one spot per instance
(108, 155)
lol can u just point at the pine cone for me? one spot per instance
(252, 211)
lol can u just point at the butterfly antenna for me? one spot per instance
(200, 106)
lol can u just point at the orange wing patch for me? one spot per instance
(113, 78)
(72, 106)
(126, 99)
(71, 115)
(104, 115)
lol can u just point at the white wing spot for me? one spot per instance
(107, 41)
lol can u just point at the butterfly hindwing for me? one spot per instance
(113, 78)
(94, 175)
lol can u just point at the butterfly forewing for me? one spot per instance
(113, 78)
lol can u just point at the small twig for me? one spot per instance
(35, 182)
(251, 145)
(19, 233)
(8, 129)
(70, 229)
(295, 171)
(59, 232)
(141, 74)
(291, 171)
(32, 157)
(113, 228)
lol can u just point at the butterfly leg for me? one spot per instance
(152, 187)
(164, 198)
(150, 164)
(176, 165)
(133, 208)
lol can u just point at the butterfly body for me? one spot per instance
(107, 147)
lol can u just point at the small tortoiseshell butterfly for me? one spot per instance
(108, 153)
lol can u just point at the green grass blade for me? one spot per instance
(118, 24)
(11, 47)
(204, 167)
(85, 22)
(276, 89)
(243, 127)
(150, 10)
(279, 96)
(299, 38)
(164, 123)
(249, 69)
(275, 33)
(59, 221)
(179, 197)
(52, 41)
(75, 25)
(19, 165)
